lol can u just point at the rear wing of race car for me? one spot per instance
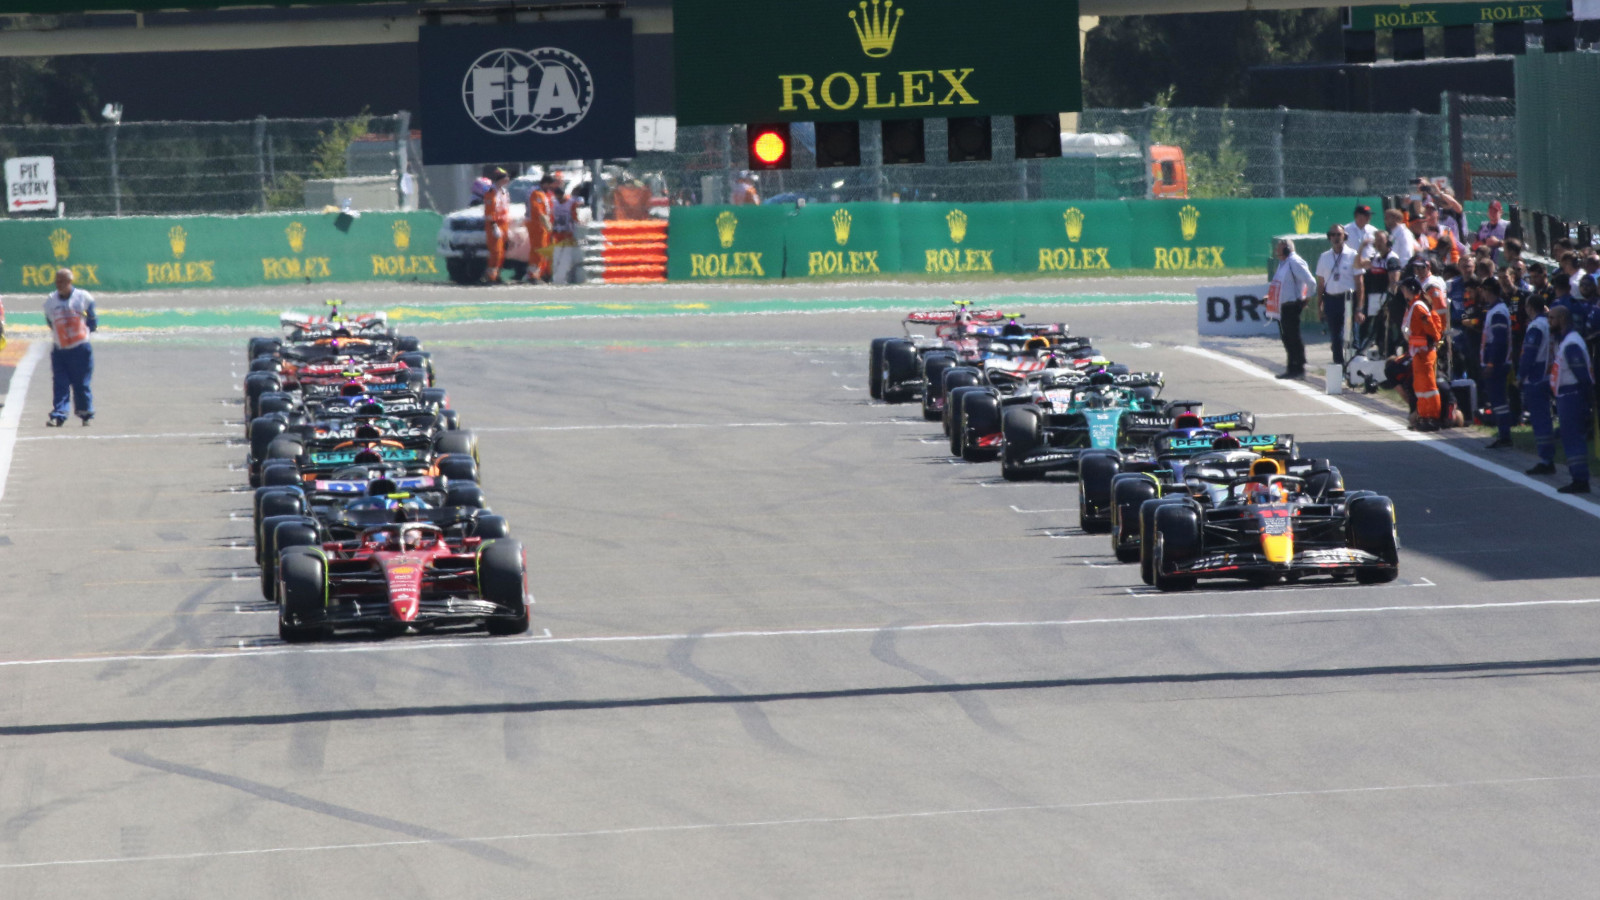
(948, 317)
(335, 458)
(1069, 378)
(1175, 445)
(359, 488)
(1239, 421)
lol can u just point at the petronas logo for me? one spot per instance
(1302, 218)
(841, 226)
(957, 220)
(178, 239)
(876, 29)
(727, 223)
(1074, 217)
(297, 236)
(1189, 220)
(61, 243)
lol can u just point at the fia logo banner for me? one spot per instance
(545, 91)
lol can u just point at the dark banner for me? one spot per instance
(1425, 15)
(559, 90)
(842, 60)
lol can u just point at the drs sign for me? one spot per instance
(527, 92)
(1235, 311)
(30, 184)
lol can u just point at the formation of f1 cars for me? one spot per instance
(367, 512)
(1184, 494)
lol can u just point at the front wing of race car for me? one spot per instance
(1245, 563)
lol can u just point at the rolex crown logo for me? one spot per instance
(297, 236)
(1302, 218)
(179, 239)
(957, 220)
(61, 243)
(727, 222)
(1189, 219)
(841, 226)
(402, 234)
(1074, 217)
(876, 29)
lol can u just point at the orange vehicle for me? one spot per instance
(1169, 175)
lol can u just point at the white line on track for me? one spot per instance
(1016, 509)
(678, 426)
(155, 436)
(1390, 425)
(1146, 591)
(404, 646)
(11, 416)
(903, 816)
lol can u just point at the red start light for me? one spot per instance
(770, 147)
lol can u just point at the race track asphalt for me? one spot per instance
(783, 646)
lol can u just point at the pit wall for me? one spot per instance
(863, 240)
(138, 253)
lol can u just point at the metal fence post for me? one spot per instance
(116, 183)
(261, 158)
(1278, 126)
(1410, 157)
(402, 155)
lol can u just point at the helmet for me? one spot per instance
(481, 186)
(352, 389)
(1226, 442)
(1102, 377)
(1187, 420)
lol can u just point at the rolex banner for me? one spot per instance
(956, 241)
(843, 60)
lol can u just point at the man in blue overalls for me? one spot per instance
(1495, 358)
(1572, 381)
(69, 311)
(1533, 374)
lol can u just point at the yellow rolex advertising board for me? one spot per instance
(843, 60)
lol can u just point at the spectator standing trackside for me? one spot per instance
(1293, 283)
(1572, 382)
(744, 191)
(1401, 238)
(1362, 235)
(564, 225)
(1533, 374)
(539, 230)
(1336, 285)
(69, 311)
(1494, 355)
(496, 223)
(1491, 233)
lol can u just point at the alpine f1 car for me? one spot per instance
(399, 577)
(1267, 527)
(896, 371)
(405, 420)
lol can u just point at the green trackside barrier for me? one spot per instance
(1094, 235)
(843, 239)
(726, 242)
(149, 253)
(957, 239)
(867, 239)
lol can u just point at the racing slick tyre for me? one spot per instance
(503, 580)
(875, 367)
(261, 346)
(899, 367)
(1325, 485)
(933, 369)
(263, 430)
(462, 443)
(958, 377)
(980, 419)
(1127, 495)
(1371, 528)
(451, 419)
(407, 343)
(279, 473)
(266, 364)
(302, 574)
(416, 379)
(419, 362)
(274, 402)
(490, 528)
(1023, 431)
(1147, 530)
(1095, 471)
(275, 501)
(465, 494)
(278, 533)
(433, 396)
(953, 406)
(458, 467)
(1177, 540)
(256, 384)
(282, 448)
